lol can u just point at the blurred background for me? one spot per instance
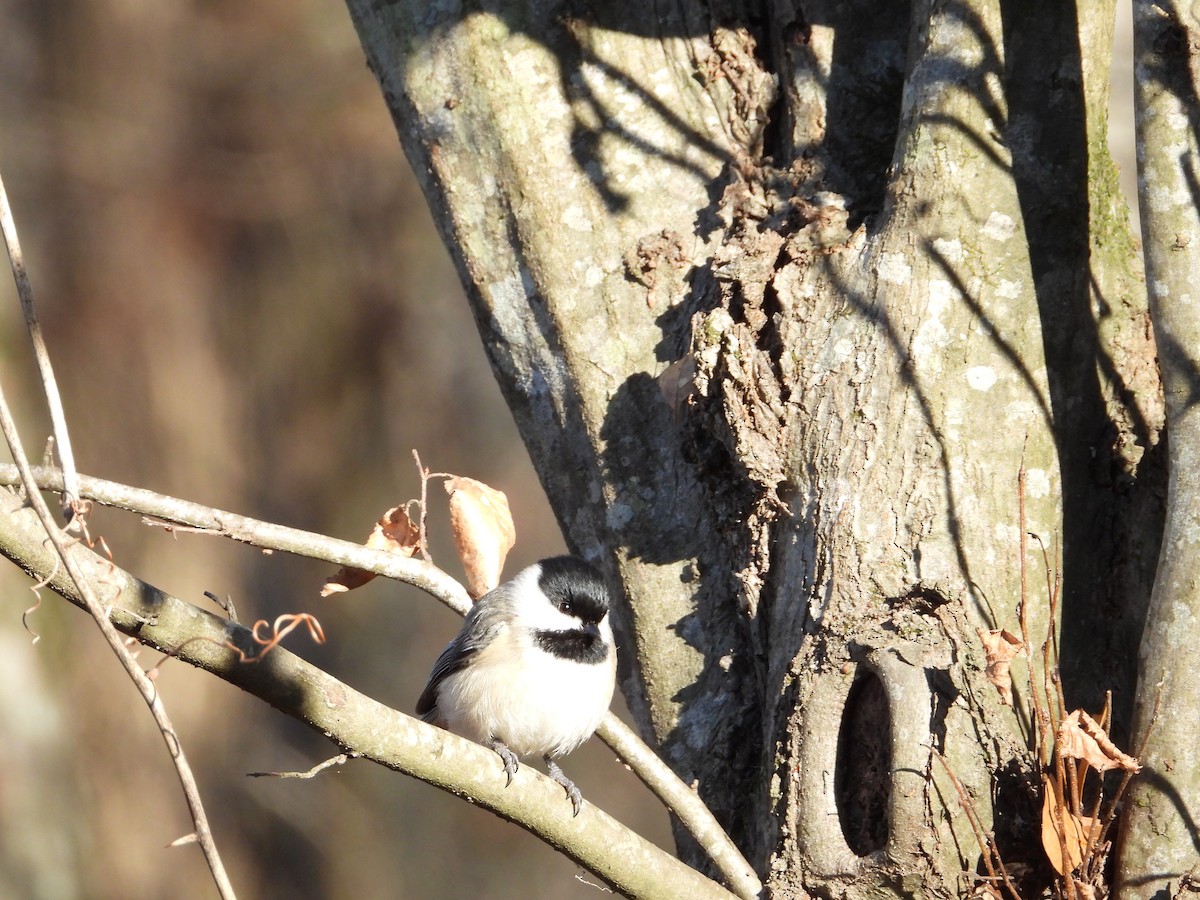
(247, 306)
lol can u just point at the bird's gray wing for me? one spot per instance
(483, 621)
(453, 658)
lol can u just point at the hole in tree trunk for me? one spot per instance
(863, 774)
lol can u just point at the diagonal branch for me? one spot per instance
(53, 399)
(684, 802)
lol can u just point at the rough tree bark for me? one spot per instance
(782, 297)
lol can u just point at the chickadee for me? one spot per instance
(532, 670)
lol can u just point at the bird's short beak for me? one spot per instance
(591, 628)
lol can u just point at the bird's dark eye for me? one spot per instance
(566, 607)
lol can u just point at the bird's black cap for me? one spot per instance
(571, 579)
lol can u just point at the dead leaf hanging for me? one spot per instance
(483, 531)
(1000, 646)
(1081, 737)
(394, 532)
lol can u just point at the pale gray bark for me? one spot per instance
(1162, 838)
(785, 400)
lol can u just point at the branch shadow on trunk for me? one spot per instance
(1047, 132)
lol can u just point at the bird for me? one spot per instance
(533, 669)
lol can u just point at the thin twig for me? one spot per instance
(339, 760)
(1055, 597)
(1060, 821)
(1093, 843)
(226, 604)
(266, 535)
(1113, 804)
(58, 418)
(1049, 667)
(1024, 617)
(1037, 723)
(986, 840)
(1141, 747)
(422, 542)
(422, 504)
(145, 686)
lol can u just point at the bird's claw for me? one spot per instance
(510, 760)
(510, 769)
(573, 793)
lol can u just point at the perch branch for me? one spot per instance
(358, 724)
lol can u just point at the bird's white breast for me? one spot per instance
(531, 701)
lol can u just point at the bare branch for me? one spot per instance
(359, 724)
(684, 803)
(207, 520)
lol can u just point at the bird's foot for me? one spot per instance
(510, 760)
(572, 792)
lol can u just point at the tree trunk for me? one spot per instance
(1160, 843)
(782, 300)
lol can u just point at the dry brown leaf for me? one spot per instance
(394, 532)
(1081, 737)
(1071, 838)
(1000, 646)
(483, 531)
